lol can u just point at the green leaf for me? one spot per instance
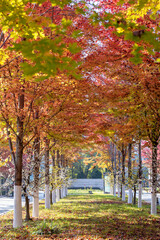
(73, 48)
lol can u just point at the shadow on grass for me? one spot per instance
(91, 217)
(114, 227)
(7, 232)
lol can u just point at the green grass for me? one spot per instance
(86, 216)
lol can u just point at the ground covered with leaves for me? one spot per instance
(86, 216)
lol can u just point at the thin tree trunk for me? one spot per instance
(119, 174)
(134, 199)
(50, 195)
(47, 195)
(154, 179)
(36, 202)
(17, 218)
(27, 218)
(57, 195)
(36, 171)
(129, 173)
(112, 161)
(54, 196)
(53, 192)
(140, 176)
(115, 170)
(27, 209)
(123, 172)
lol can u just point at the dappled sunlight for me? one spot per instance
(88, 217)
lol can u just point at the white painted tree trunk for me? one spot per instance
(140, 195)
(62, 192)
(36, 203)
(114, 189)
(130, 195)
(111, 191)
(17, 220)
(66, 190)
(47, 196)
(54, 196)
(123, 192)
(153, 203)
(57, 195)
(149, 177)
(119, 190)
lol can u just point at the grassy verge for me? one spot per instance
(86, 216)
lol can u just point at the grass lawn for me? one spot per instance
(86, 216)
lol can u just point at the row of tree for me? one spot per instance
(67, 78)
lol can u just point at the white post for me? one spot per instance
(36, 203)
(130, 195)
(47, 196)
(123, 192)
(17, 219)
(140, 195)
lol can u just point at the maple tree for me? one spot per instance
(22, 89)
(43, 96)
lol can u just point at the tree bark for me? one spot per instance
(36, 170)
(27, 209)
(140, 176)
(54, 196)
(154, 179)
(123, 172)
(119, 174)
(27, 218)
(47, 195)
(112, 161)
(115, 170)
(57, 195)
(17, 218)
(134, 199)
(129, 173)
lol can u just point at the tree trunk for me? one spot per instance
(36, 202)
(62, 196)
(52, 191)
(119, 174)
(66, 190)
(140, 176)
(123, 172)
(134, 199)
(27, 209)
(26, 204)
(17, 218)
(115, 171)
(154, 179)
(112, 161)
(54, 196)
(36, 171)
(47, 195)
(129, 173)
(57, 195)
